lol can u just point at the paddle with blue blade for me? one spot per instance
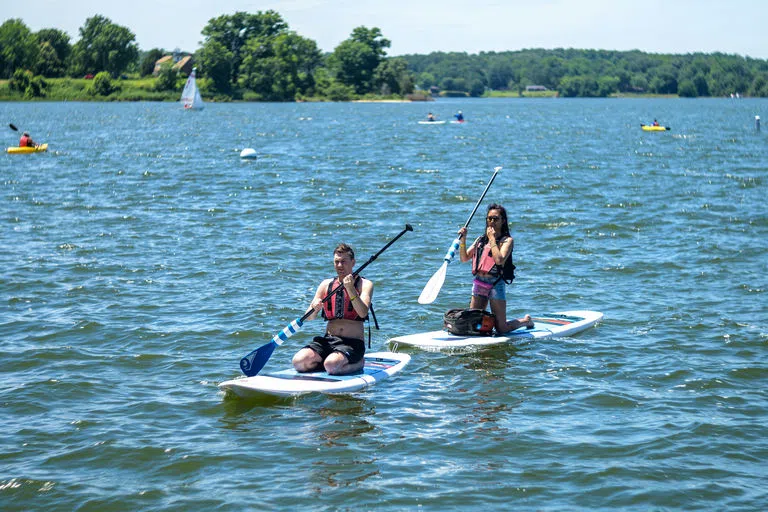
(432, 288)
(255, 361)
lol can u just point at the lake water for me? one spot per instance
(142, 258)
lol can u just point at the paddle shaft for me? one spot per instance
(360, 269)
(432, 288)
(495, 172)
(455, 245)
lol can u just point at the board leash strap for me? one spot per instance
(376, 322)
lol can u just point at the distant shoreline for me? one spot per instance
(134, 90)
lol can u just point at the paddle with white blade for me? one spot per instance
(430, 291)
(255, 361)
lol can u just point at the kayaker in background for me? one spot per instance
(459, 116)
(430, 117)
(495, 250)
(26, 141)
(655, 123)
(342, 348)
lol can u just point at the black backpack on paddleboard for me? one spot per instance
(469, 322)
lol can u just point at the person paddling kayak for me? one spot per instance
(26, 141)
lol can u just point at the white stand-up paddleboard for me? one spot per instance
(431, 122)
(378, 366)
(563, 323)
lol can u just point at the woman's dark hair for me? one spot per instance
(504, 223)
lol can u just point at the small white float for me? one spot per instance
(248, 153)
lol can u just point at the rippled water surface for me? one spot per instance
(142, 258)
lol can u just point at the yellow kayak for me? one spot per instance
(651, 128)
(27, 149)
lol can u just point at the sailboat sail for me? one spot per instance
(190, 96)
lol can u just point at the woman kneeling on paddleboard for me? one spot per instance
(342, 348)
(490, 254)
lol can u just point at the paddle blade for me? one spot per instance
(13, 127)
(430, 291)
(255, 361)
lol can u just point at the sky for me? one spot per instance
(472, 26)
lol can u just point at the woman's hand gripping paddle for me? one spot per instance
(255, 361)
(430, 291)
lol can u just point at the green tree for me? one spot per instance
(102, 84)
(571, 86)
(392, 77)
(280, 68)
(686, 89)
(500, 74)
(30, 85)
(48, 63)
(700, 83)
(354, 61)
(216, 63)
(664, 80)
(453, 84)
(549, 72)
(476, 88)
(55, 50)
(232, 33)
(147, 66)
(104, 46)
(759, 87)
(639, 82)
(167, 78)
(326, 86)
(607, 85)
(18, 47)
(625, 79)
(591, 72)
(426, 80)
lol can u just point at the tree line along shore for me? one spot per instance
(256, 57)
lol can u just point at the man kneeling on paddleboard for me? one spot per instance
(342, 348)
(491, 255)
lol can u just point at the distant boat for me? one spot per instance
(190, 96)
(654, 128)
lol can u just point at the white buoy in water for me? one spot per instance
(249, 153)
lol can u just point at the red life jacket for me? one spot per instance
(25, 141)
(483, 261)
(340, 306)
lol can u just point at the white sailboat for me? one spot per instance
(190, 96)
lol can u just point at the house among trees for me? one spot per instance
(535, 88)
(181, 63)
